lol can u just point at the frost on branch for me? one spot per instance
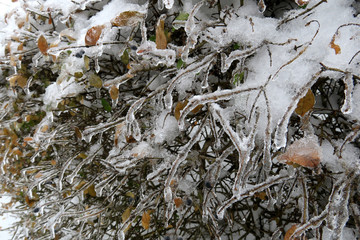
(181, 120)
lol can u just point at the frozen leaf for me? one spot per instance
(78, 133)
(125, 216)
(183, 16)
(44, 128)
(305, 152)
(335, 46)
(17, 79)
(106, 105)
(43, 45)
(305, 104)
(95, 81)
(125, 58)
(145, 220)
(127, 18)
(114, 92)
(87, 62)
(93, 35)
(178, 202)
(290, 232)
(179, 107)
(161, 40)
(302, 2)
(30, 202)
(90, 190)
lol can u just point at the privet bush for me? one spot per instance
(181, 119)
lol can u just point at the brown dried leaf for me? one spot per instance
(178, 202)
(125, 216)
(145, 220)
(179, 106)
(290, 232)
(93, 35)
(43, 45)
(78, 133)
(127, 18)
(305, 104)
(160, 40)
(305, 152)
(335, 46)
(30, 202)
(17, 79)
(114, 92)
(90, 190)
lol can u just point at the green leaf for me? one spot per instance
(179, 64)
(106, 105)
(125, 58)
(152, 38)
(236, 46)
(239, 78)
(182, 16)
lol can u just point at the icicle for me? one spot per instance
(349, 87)
(90, 131)
(97, 66)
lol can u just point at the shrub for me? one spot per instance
(181, 120)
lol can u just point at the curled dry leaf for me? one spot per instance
(93, 34)
(335, 46)
(43, 45)
(145, 220)
(305, 152)
(181, 105)
(160, 40)
(305, 104)
(127, 18)
(302, 2)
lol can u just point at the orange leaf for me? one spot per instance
(290, 232)
(178, 202)
(305, 152)
(19, 80)
(43, 45)
(145, 220)
(305, 104)
(28, 139)
(114, 92)
(127, 18)
(44, 128)
(160, 40)
(335, 46)
(30, 202)
(179, 106)
(93, 35)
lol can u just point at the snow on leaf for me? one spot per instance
(305, 152)
(127, 18)
(145, 219)
(42, 45)
(161, 40)
(305, 104)
(93, 34)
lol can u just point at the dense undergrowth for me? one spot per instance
(191, 120)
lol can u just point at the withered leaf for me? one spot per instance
(114, 92)
(90, 190)
(127, 18)
(305, 104)
(160, 40)
(290, 232)
(17, 79)
(305, 152)
(125, 216)
(43, 45)
(145, 220)
(335, 46)
(178, 202)
(93, 35)
(95, 81)
(179, 107)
